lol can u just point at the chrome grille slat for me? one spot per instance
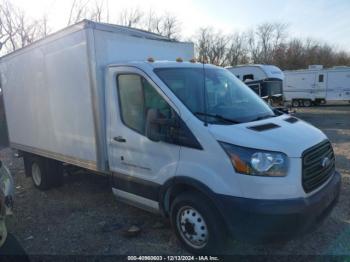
(314, 175)
(315, 167)
(315, 153)
(317, 175)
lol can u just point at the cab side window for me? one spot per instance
(154, 101)
(136, 97)
(131, 101)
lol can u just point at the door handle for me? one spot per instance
(119, 139)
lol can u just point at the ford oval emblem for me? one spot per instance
(325, 162)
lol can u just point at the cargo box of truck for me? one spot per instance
(54, 88)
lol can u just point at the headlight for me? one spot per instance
(256, 162)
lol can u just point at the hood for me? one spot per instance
(291, 137)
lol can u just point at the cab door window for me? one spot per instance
(136, 97)
(131, 101)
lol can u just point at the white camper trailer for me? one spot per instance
(317, 85)
(265, 80)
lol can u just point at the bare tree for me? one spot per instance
(202, 44)
(211, 46)
(166, 25)
(237, 51)
(130, 17)
(170, 26)
(17, 29)
(266, 43)
(99, 12)
(78, 11)
(8, 24)
(265, 40)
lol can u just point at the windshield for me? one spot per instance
(271, 88)
(226, 97)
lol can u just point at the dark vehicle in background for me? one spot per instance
(265, 80)
(10, 249)
(269, 89)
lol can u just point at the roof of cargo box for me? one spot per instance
(123, 30)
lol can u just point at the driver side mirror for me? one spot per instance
(157, 127)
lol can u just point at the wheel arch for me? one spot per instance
(178, 185)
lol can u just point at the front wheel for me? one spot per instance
(197, 224)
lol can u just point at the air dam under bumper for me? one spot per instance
(255, 219)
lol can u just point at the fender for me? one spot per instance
(170, 186)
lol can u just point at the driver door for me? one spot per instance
(139, 165)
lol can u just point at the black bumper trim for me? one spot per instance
(264, 219)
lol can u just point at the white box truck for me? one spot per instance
(184, 139)
(317, 85)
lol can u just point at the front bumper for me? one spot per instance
(270, 219)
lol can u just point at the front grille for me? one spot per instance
(316, 168)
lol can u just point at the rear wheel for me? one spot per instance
(197, 224)
(46, 173)
(295, 103)
(307, 103)
(37, 175)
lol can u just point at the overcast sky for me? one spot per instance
(327, 20)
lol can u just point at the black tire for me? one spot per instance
(295, 103)
(46, 173)
(307, 103)
(12, 250)
(202, 208)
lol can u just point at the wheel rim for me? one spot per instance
(192, 227)
(295, 103)
(36, 174)
(307, 103)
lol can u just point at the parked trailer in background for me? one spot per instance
(317, 85)
(265, 80)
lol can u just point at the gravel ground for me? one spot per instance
(83, 217)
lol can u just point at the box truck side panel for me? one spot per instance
(48, 100)
(115, 47)
(54, 88)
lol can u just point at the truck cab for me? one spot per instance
(192, 142)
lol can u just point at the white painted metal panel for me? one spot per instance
(54, 88)
(111, 47)
(299, 85)
(338, 85)
(306, 84)
(47, 99)
(260, 72)
(240, 71)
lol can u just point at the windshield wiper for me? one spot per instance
(228, 120)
